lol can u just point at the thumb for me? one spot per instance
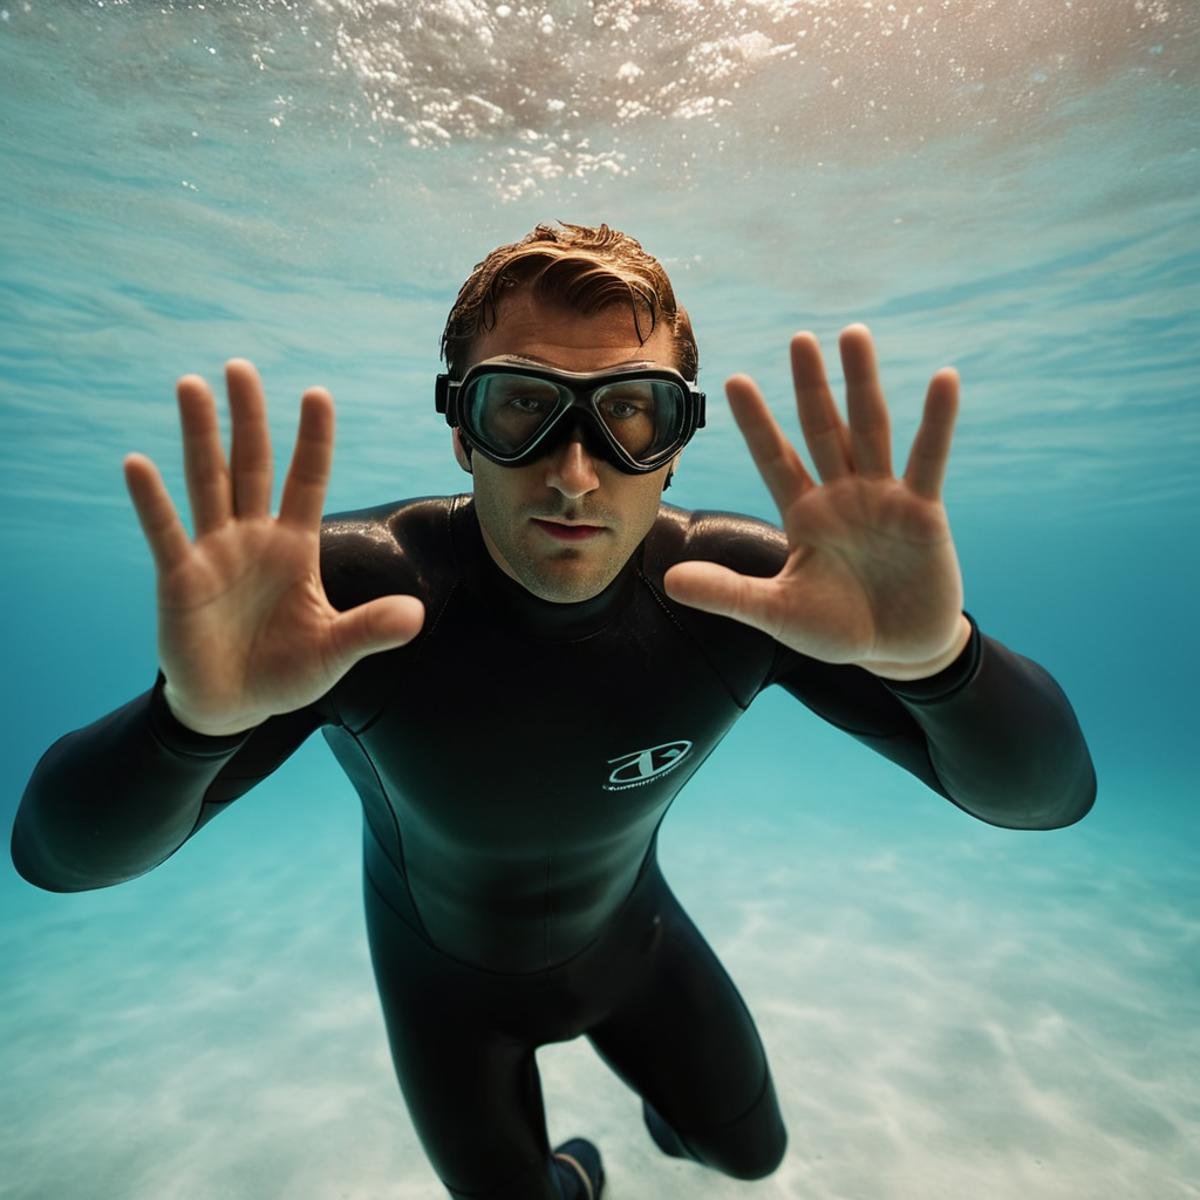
(713, 588)
(378, 625)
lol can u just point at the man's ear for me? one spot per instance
(461, 453)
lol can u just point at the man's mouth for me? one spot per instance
(567, 531)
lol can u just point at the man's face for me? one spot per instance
(523, 510)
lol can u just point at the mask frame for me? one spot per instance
(579, 412)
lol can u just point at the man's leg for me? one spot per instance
(474, 1095)
(684, 1040)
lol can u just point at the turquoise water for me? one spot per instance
(949, 1008)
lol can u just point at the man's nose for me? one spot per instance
(570, 469)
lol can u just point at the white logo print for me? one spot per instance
(632, 770)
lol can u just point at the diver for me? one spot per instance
(519, 680)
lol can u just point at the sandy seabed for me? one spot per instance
(946, 1014)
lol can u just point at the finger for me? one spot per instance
(251, 452)
(870, 428)
(203, 459)
(926, 469)
(713, 588)
(824, 430)
(374, 627)
(168, 540)
(304, 488)
(776, 458)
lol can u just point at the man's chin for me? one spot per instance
(564, 575)
(567, 581)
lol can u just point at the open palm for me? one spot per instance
(245, 629)
(871, 577)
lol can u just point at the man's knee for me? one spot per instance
(752, 1147)
(741, 1154)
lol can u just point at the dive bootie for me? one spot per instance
(578, 1163)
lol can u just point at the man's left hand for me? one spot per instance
(871, 578)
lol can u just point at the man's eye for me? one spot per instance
(527, 404)
(622, 410)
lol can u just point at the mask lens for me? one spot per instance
(645, 416)
(506, 411)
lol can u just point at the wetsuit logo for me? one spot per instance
(633, 770)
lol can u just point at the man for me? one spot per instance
(519, 682)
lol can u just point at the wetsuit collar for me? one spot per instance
(531, 614)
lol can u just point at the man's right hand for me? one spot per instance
(245, 630)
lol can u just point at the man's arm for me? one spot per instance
(249, 641)
(869, 595)
(110, 801)
(992, 732)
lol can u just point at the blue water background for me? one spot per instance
(949, 1008)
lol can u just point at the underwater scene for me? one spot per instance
(949, 1008)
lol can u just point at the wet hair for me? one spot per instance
(579, 267)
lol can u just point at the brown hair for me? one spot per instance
(581, 267)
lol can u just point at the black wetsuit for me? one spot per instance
(514, 763)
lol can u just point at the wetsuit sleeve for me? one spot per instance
(115, 799)
(993, 732)
(110, 801)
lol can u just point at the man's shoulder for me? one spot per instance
(401, 546)
(745, 544)
(741, 654)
